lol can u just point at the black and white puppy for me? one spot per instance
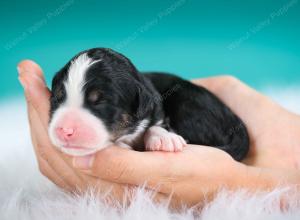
(100, 98)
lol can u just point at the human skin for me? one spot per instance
(197, 172)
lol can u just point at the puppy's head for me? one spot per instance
(95, 99)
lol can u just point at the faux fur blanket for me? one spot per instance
(25, 194)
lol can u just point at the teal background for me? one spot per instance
(257, 41)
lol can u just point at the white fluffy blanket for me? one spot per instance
(25, 194)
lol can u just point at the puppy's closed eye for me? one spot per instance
(94, 97)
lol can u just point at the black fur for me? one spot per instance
(127, 97)
(199, 116)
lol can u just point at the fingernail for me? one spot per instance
(21, 78)
(23, 82)
(84, 163)
(20, 70)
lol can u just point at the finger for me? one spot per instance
(48, 172)
(37, 96)
(36, 92)
(121, 192)
(120, 165)
(32, 67)
(44, 149)
(44, 167)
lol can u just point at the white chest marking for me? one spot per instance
(136, 137)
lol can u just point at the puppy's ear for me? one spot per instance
(145, 102)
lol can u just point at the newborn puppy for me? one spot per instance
(100, 98)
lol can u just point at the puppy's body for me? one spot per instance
(199, 116)
(100, 98)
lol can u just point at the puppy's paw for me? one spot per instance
(159, 139)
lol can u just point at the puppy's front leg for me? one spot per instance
(159, 139)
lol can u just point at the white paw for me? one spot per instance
(159, 139)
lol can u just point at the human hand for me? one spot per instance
(188, 176)
(274, 132)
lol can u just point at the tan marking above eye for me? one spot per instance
(94, 96)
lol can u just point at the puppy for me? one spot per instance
(99, 98)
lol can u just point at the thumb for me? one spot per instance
(36, 92)
(125, 166)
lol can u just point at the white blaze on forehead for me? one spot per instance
(89, 131)
(76, 79)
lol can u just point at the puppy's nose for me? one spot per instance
(65, 134)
